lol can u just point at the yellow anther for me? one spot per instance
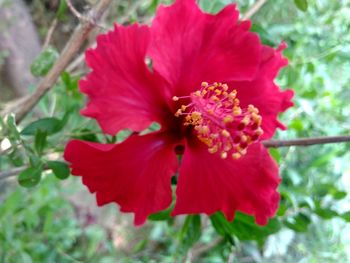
(225, 94)
(224, 87)
(188, 118)
(211, 88)
(256, 118)
(218, 92)
(204, 84)
(213, 149)
(254, 115)
(225, 133)
(196, 115)
(236, 111)
(245, 120)
(223, 155)
(207, 141)
(259, 131)
(183, 107)
(227, 147)
(178, 113)
(198, 93)
(227, 119)
(243, 151)
(236, 156)
(249, 140)
(244, 138)
(204, 92)
(204, 129)
(232, 95)
(236, 102)
(175, 98)
(214, 98)
(252, 109)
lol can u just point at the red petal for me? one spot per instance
(263, 93)
(189, 46)
(208, 184)
(136, 173)
(123, 92)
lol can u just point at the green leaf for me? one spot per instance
(85, 134)
(338, 195)
(44, 62)
(62, 8)
(326, 213)
(265, 37)
(30, 177)
(298, 223)
(12, 127)
(220, 224)
(162, 215)
(245, 228)
(346, 216)
(297, 125)
(48, 125)
(40, 141)
(60, 169)
(275, 154)
(301, 4)
(191, 231)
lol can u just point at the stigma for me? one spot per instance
(219, 121)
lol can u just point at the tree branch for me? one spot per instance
(255, 8)
(71, 49)
(267, 143)
(50, 33)
(13, 172)
(306, 141)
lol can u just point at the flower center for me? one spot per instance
(219, 121)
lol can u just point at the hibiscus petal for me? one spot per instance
(208, 184)
(263, 93)
(188, 45)
(123, 92)
(136, 173)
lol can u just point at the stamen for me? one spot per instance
(219, 121)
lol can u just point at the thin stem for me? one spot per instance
(267, 143)
(306, 141)
(50, 33)
(255, 8)
(13, 172)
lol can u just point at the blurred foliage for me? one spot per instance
(40, 224)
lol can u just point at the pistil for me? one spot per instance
(219, 121)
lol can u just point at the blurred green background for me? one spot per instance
(47, 219)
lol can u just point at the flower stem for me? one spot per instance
(306, 141)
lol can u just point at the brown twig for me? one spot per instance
(124, 19)
(81, 17)
(200, 249)
(50, 33)
(267, 143)
(13, 172)
(71, 49)
(255, 8)
(75, 11)
(306, 141)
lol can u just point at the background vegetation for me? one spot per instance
(48, 216)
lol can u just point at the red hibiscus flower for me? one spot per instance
(210, 85)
